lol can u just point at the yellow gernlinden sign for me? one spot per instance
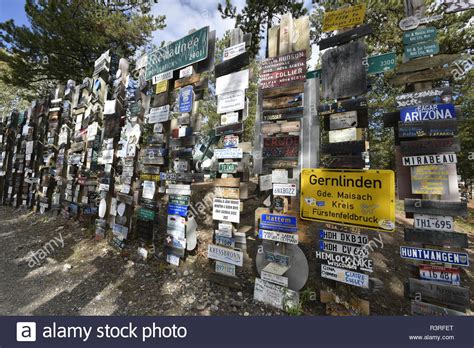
(343, 18)
(363, 198)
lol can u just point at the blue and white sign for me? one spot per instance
(186, 99)
(454, 258)
(428, 112)
(176, 209)
(284, 223)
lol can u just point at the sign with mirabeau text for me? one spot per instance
(363, 198)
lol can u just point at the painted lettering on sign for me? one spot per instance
(345, 17)
(283, 70)
(223, 254)
(422, 160)
(357, 197)
(428, 113)
(284, 223)
(286, 146)
(282, 237)
(421, 49)
(419, 35)
(226, 210)
(186, 99)
(346, 261)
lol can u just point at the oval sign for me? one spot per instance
(121, 209)
(102, 208)
(409, 23)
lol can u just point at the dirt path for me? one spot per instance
(80, 276)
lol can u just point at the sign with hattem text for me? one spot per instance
(183, 52)
(357, 197)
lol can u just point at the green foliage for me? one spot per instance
(65, 37)
(259, 15)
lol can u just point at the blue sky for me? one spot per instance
(181, 16)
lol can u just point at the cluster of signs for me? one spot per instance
(427, 159)
(232, 81)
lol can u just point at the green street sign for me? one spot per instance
(419, 35)
(421, 49)
(381, 63)
(314, 74)
(228, 167)
(180, 200)
(146, 214)
(183, 52)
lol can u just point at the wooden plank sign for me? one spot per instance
(419, 35)
(343, 74)
(286, 146)
(283, 102)
(421, 49)
(440, 94)
(430, 146)
(237, 81)
(345, 148)
(431, 179)
(427, 113)
(440, 274)
(226, 210)
(448, 294)
(441, 256)
(283, 70)
(423, 206)
(420, 76)
(359, 103)
(345, 276)
(422, 160)
(344, 135)
(346, 36)
(345, 17)
(435, 128)
(343, 120)
(423, 308)
(438, 238)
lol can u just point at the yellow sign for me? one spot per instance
(343, 18)
(363, 198)
(161, 87)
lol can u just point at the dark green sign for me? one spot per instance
(183, 52)
(178, 199)
(146, 214)
(421, 49)
(228, 168)
(381, 63)
(419, 35)
(313, 74)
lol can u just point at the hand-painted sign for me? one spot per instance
(183, 52)
(433, 222)
(431, 179)
(286, 146)
(284, 190)
(440, 274)
(428, 113)
(275, 295)
(441, 256)
(381, 63)
(237, 81)
(186, 96)
(227, 255)
(337, 236)
(283, 70)
(281, 237)
(357, 197)
(345, 276)
(284, 223)
(421, 49)
(343, 249)
(231, 101)
(419, 35)
(346, 261)
(226, 210)
(435, 95)
(344, 18)
(422, 160)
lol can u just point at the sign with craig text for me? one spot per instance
(428, 112)
(183, 52)
(357, 197)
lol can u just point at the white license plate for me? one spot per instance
(432, 222)
(284, 190)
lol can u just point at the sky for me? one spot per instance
(181, 16)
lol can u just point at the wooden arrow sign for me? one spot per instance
(426, 63)
(232, 65)
(420, 76)
(346, 36)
